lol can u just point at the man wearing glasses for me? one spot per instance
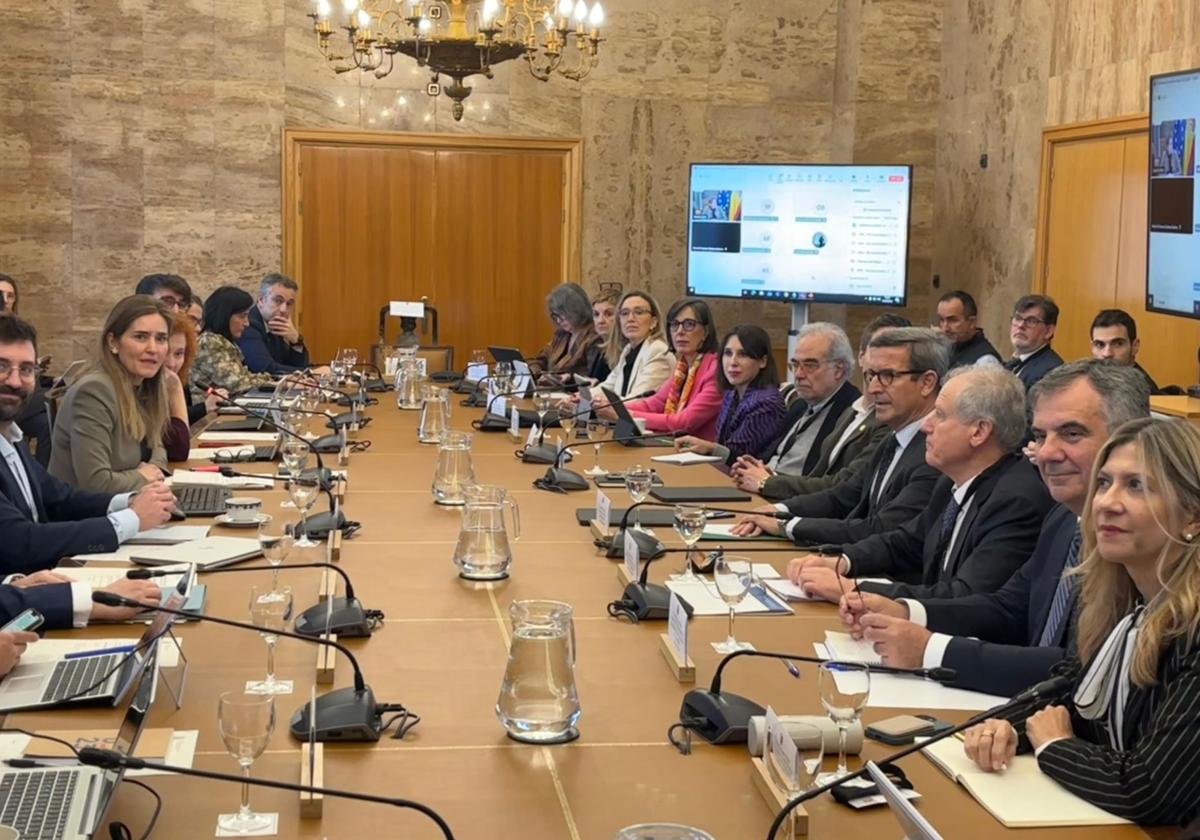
(171, 290)
(1033, 322)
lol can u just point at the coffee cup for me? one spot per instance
(243, 508)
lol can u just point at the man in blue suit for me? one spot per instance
(1034, 320)
(65, 603)
(1005, 641)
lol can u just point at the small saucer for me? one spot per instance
(259, 519)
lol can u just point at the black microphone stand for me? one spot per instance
(650, 547)
(560, 479)
(112, 760)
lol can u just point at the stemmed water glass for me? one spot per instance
(294, 454)
(304, 493)
(689, 524)
(733, 577)
(844, 688)
(597, 432)
(270, 609)
(638, 481)
(246, 723)
(542, 401)
(275, 546)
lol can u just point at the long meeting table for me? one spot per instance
(442, 652)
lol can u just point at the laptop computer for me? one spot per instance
(201, 499)
(99, 677)
(206, 554)
(627, 427)
(915, 826)
(695, 495)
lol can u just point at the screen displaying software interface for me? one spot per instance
(1173, 249)
(799, 232)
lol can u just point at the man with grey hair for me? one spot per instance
(271, 343)
(903, 370)
(1008, 640)
(983, 517)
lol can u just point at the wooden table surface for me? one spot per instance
(442, 652)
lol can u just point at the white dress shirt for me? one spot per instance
(861, 412)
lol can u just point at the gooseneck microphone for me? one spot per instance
(347, 618)
(648, 545)
(1044, 691)
(113, 760)
(344, 714)
(542, 454)
(559, 479)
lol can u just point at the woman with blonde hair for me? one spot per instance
(1126, 735)
(108, 435)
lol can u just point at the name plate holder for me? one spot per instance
(326, 661)
(673, 644)
(312, 774)
(775, 798)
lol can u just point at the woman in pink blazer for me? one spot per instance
(690, 400)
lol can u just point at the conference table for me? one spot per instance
(442, 652)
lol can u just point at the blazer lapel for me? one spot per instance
(35, 486)
(10, 487)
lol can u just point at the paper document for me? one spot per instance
(239, 437)
(170, 535)
(787, 590)
(903, 691)
(844, 647)
(702, 595)
(205, 454)
(210, 479)
(724, 531)
(99, 577)
(1021, 796)
(123, 554)
(683, 459)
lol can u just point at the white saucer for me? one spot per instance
(260, 519)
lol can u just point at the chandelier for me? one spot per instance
(456, 41)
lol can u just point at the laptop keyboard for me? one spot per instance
(200, 499)
(72, 676)
(37, 804)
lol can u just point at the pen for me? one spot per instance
(792, 669)
(83, 654)
(719, 515)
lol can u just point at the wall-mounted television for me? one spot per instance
(1172, 245)
(819, 233)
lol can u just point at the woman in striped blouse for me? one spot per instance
(1127, 736)
(752, 410)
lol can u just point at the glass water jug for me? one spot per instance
(455, 470)
(435, 414)
(409, 384)
(483, 552)
(539, 703)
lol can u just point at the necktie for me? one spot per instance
(1064, 598)
(797, 430)
(889, 452)
(949, 517)
(1013, 364)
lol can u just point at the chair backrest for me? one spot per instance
(437, 359)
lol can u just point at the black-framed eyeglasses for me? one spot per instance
(687, 325)
(25, 370)
(807, 365)
(235, 456)
(887, 377)
(1020, 320)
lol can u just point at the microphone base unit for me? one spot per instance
(329, 444)
(319, 525)
(649, 546)
(346, 619)
(345, 714)
(494, 423)
(650, 601)
(347, 418)
(543, 454)
(722, 718)
(565, 479)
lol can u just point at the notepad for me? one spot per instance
(239, 437)
(684, 459)
(1021, 796)
(703, 597)
(724, 531)
(170, 535)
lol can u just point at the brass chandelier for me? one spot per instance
(461, 38)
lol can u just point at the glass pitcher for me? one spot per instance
(539, 703)
(435, 414)
(409, 383)
(455, 470)
(482, 552)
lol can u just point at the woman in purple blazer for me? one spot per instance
(752, 411)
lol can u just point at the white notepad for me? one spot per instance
(170, 535)
(208, 553)
(1021, 796)
(683, 459)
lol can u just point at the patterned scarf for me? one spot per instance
(681, 385)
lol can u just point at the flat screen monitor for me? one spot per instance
(821, 233)
(1172, 246)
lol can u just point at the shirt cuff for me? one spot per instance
(781, 507)
(916, 612)
(935, 650)
(125, 523)
(8, 579)
(721, 452)
(119, 502)
(81, 603)
(790, 528)
(1039, 750)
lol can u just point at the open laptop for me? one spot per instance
(69, 802)
(73, 679)
(627, 427)
(915, 826)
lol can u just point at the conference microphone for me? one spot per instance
(561, 480)
(1043, 691)
(724, 718)
(542, 454)
(113, 760)
(347, 618)
(344, 714)
(648, 545)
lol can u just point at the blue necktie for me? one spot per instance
(949, 517)
(1064, 598)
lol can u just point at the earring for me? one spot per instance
(1188, 537)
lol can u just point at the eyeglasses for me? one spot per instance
(170, 301)
(637, 312)
(234, 456)
(807, 365)
(686, 325)
(1027, 321)
(26, 370)
(887, 377)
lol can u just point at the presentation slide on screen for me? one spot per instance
(1173, 266)
(799, 233)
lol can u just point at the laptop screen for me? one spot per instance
(146, 646)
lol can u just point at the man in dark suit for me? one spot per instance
(983, 518)
(65, 603)
(1115, 338)
(1008, 640)
(1033, 322)
(271, 343)
(957, 318)
(904, 370)
(44, 519)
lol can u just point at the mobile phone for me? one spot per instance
(900, 730)
(31, 619)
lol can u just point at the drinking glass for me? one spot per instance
(732, 576)
(270, 609)
(275, 545)
(294, 454)
(566, 419)
(542, 401)
(478, 357)
(597, 431)
(638, 481)
(337, 367)
(310, 399)
(662, 831)
(246, 723)
(689, 524)
(304, 494)
(844, 688)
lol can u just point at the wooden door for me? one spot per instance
(483, 227)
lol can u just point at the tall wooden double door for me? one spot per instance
(482, 227)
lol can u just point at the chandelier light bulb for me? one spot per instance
(596, 18)
(364, 19)
(581, 11)
(324, 10)
(350, 5)
(490, 9)
(425, 25)
(565, 7)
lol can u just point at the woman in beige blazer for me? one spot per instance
(637, 352)
(109, 430)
